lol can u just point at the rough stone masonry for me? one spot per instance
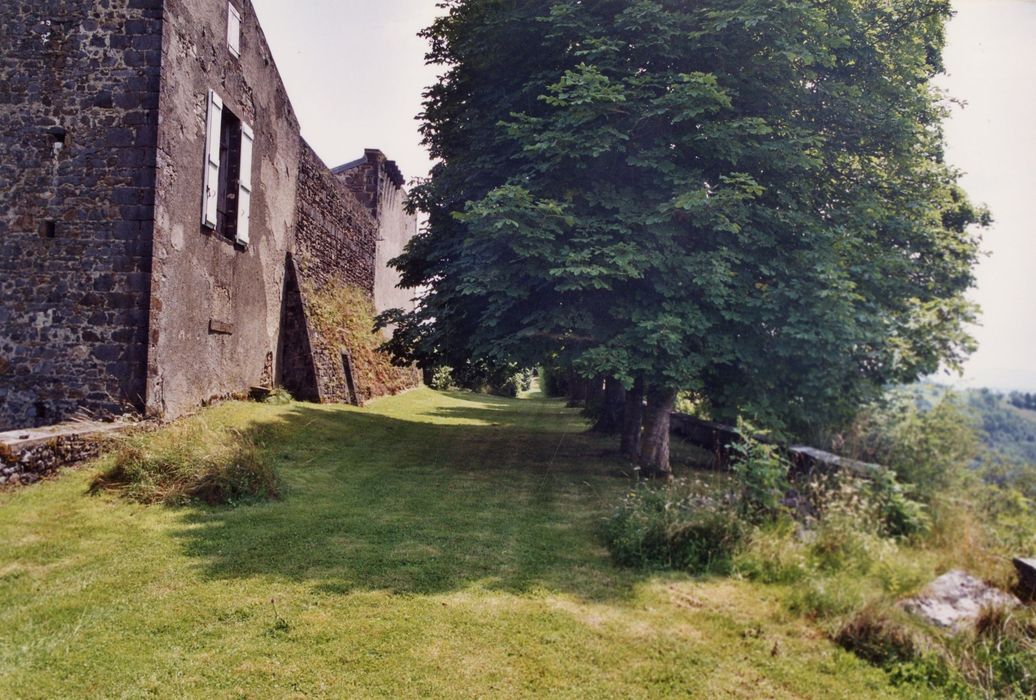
(159, 208)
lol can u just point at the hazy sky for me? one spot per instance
(991, 60)
(355, 72)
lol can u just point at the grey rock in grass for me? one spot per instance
(955, 600)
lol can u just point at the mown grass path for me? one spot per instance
(432, 545)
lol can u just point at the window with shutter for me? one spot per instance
(244, 196)
(234, 30)
(227, 205)
(213, 130)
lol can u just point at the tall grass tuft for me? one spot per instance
(674, 526)
(189, 461)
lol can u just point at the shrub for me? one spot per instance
(879, 503)
(672, 526)
(928, 449)
(899, 515)
(761, 472)
(1001, 658)
(774, 555)
(442, 379)
(997, 659)
(189, 461)
(511, 385)
(499, 380)
(554, 380)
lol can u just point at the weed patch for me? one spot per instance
(344, 316)
(189, 461)
(674, 526)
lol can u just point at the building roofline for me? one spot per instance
(374, 155)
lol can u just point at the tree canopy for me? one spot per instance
(747, 199)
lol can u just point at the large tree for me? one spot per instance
(742, 198)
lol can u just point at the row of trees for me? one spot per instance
(745, 199)
(1025, 401)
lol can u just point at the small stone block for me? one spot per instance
(221, 327)
(259, 393)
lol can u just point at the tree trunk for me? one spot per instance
(576, 389)
(654, 446)
(595, 392)
(609, 421)
(632, 416)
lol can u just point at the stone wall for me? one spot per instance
(336, 236)
(113, 296)
(29, 457)
(378, 183)
(336, 241)
(79, 83)
(216, 306)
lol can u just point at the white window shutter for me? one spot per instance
(213, 123)
(234, 30)
(244, 192)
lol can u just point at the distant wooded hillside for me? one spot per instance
(1006, 424)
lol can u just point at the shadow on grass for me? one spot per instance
(512, 503)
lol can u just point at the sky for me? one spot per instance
(355, 72)
(991, 62)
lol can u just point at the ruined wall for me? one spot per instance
(75, 217)
(378, 183)
(216, 307)
(337, 237)
(336, 240)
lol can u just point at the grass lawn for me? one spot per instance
(433, 545)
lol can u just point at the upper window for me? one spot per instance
(234, 30)
(227, 200)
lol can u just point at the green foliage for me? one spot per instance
(1002, 654)
(996, 659)
(504, 380)
(553, 380)
(1006, 432)
(838, 561)
(927, 448)
(189, 461)
(513, 384)
(886, 638)
(674, 526)
(1025, 401)
(761, 472)
(747, 203)
(1009, 517)
(442, 379)
(900, 515)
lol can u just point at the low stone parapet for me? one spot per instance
(716, 438)
(27, 456)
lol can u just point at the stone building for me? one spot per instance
(161, 219)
